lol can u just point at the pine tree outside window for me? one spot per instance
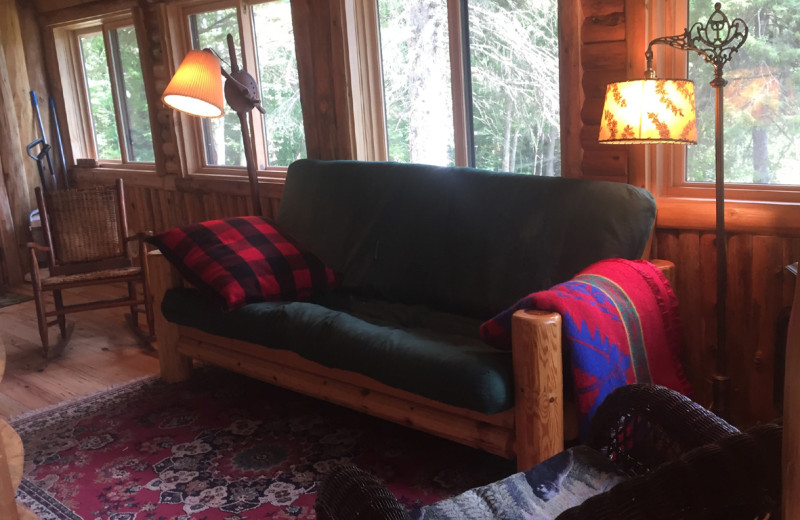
(115, 93)
(265, 47)
(491, 79)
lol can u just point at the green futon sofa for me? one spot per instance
(425, 254)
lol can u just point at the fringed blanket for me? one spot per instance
(621, 326)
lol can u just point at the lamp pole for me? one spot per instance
(241, 93)
(716, 42)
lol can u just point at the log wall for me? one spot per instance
(759, 291)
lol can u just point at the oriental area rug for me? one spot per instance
(222, 446)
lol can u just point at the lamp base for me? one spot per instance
(720, 390)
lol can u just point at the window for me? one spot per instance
(265, 48)
(762, 120)
(115, 94)
(467, 82)
(762, 103)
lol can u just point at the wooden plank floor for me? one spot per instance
(102, 352)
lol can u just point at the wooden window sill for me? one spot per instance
(774, 218)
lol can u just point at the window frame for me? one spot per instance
(367, 81)
(190, 131)
(75, 90)
(663, 167)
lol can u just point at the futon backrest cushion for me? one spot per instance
(458, 239)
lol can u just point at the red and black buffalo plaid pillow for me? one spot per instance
(244, 260)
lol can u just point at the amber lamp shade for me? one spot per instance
(196, 87)
(649, 111)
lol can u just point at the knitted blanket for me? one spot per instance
(620, 326)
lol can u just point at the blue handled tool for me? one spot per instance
(54, 117)
(45, 147)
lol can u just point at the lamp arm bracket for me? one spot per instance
(716, 41)
(242, 88)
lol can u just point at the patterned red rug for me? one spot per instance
(222, 446)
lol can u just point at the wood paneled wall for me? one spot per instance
(759, 297)
(759, 291)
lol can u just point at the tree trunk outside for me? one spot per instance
(760, 156)
(427, 84)
(548, 168)
(507, 119)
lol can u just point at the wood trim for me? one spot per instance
(366, 89)
(13, 174)
(270, 188)
(538, 384)
(747, 217)
(115, 91)
(454, 31)
(571, 94)
(86, 12)
(791, 420)
(147, 65)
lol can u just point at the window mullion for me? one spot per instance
(86, 123)
(118, 84)
(115, 94)
(460, 82)
(257, 130)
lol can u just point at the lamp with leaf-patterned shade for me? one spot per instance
(662, 111)
(649, 111)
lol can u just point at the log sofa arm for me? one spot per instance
(162, 277)
(538, 386)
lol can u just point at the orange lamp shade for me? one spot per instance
(649, 111)
(196, 87)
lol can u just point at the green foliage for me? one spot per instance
(762, 110)
(280, 85)
(140, 139)
(514, 61)
(416, 80)
(135, 121)
(101, 98)
(222, 136)
(513, 49)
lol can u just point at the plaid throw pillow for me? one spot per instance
(244, 260)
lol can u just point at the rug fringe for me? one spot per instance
(109, 391)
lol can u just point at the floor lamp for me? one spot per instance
(663, 111)
(196, 89)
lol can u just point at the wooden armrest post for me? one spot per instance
(791, 413)
(668, 268)
(538, 386)
(162, 277)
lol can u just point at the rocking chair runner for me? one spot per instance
(86, 237)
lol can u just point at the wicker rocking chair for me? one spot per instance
(86, 237)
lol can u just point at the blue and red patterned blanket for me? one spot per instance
(620, 324)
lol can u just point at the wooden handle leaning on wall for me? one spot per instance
(791, 413)
(162, 277)
(538, 386)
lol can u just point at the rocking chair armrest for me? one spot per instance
(141, 236)
(642, 426)
(736, 477)
(38, 247)
(349, 492)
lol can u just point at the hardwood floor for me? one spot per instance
(102, 352)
